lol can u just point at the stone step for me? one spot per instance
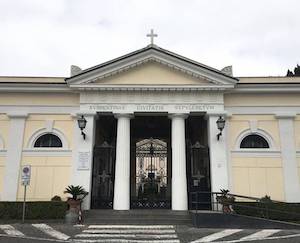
(138, 217)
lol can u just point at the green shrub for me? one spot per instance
(34, 210)
(276, 211)
(56, 198)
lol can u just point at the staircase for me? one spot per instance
(138, 217)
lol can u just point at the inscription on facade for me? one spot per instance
(151, 107)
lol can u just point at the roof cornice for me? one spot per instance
(151, 54)
(266, 88)
(34, 87)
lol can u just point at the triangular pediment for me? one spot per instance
(151, 66)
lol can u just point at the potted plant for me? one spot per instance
(74, 202)
(226, 200)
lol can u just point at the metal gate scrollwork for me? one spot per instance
(103, 176)
(151, 174)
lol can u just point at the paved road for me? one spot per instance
(43, 233)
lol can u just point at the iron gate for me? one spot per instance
(103, 176)
(151, 182)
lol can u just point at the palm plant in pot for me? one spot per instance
(78, 193)
(226, 200)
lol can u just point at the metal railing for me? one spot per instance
(244, 205)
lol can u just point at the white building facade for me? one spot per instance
(151, 133)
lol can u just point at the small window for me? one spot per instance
(47, 141)
(254, 141)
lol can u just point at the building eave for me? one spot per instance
(34, 87)
(266, 88)
(89, 87)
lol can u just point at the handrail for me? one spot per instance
(251, 206)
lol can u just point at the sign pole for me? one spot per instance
(24, 204)
(26, 171)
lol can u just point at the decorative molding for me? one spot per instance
(253, 126)
(133, 87)
(43, 131)
(154, 54)
(17, 114)
(49, 125)
(34, 87)
(285, 115)
(259, 132)
(266, 88)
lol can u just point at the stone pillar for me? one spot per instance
(122, 168)
(179, 180)
(218, 155)
(82, 167)
(289, 160)
(13, 156)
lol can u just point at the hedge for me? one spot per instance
(276, 211)
(34, 210)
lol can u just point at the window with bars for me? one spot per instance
(48, 141)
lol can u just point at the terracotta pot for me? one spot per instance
(73, 204)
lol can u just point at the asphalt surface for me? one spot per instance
(34, 233)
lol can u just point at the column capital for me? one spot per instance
(125, 115)
(216, 113)
(178, 115)
(84, 113)
(285, 115)
(17, 114)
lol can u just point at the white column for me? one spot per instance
(83, 156)
(14, 156)
(289, 160)
(179, 180)
(122, 167)
(218, 155)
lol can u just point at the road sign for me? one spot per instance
(26, 171)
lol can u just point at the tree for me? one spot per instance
(296, 72)
(289, 73)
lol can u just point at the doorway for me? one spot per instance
(150, 162)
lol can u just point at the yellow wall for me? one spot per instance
(258, 177)
(50, 174)
(47, 99)
(262, 173)
(4, 129)
(152, 73)
(49, 177)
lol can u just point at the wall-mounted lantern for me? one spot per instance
(220, 124)
(82, 124)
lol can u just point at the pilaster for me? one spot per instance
(82, 166)
(14, 156)
(218, 154)
(289, 160)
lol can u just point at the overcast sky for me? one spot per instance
(44, 37)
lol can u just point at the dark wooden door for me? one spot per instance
(198, 173)
(103, 176)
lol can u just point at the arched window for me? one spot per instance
(254, 141)
(48, 140)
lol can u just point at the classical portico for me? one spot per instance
(151, 82)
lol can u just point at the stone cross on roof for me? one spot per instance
(152, 35)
